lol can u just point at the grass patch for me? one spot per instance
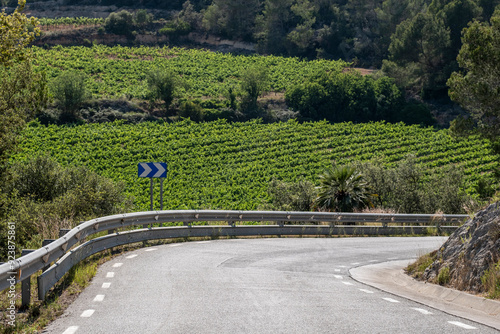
(491, 281)
(417, 268)
(443, 276)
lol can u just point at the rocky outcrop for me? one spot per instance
(469, 252)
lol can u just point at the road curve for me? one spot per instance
(275, 285)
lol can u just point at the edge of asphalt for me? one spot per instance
(390, 277)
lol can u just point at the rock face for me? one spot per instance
(469, 252)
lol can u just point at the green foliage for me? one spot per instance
(443, 276)
(406, 188)
(16, 32)
(291, 196)
(254, 81)
(491, 281)
(477, 89)
(142, 18)
(342, 189)
(223, 165)
(42, 194)
(163, 85)
(70, 92)
(120, 23)
(191, 110)
(349, 96)
(206, 73)
(176, 28)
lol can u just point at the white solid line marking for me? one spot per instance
(175, 245)
(99, 298)
(355, 263)
(347, 283)
(87, 313)
(106, 285)
(373, 261)
(116, 265)
(150, 249)
(392, 258)
(391, 300)
(459, 324)
(421, 310)
(202, 242)
(367, 291)
(110, 274)
(71, 330)
(131, 256)
(338, 277)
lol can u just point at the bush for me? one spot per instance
(254, 82)
(70, 92)
(191, 110)
(44, 196)
(297, 196)
(120, 23)
(163, 85)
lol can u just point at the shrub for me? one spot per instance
(70, 92)
(191, 110)
(163, 85)
(120, 23)
(254, 82)
(43, 196)
(297, 196)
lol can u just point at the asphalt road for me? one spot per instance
(276, 285)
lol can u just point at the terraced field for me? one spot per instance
(220, 165)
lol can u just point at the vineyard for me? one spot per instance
(121, 71)
(219, 165)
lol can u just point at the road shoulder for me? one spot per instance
(390, 277)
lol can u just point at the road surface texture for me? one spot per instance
(268, 285)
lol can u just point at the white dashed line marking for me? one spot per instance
(206, 242)
(373, 261)
(99, 298)
(459, 324)
(347, 283)
(150, 249)
(337, 270)
(391, 300)
(342, 266)
(338, 277)
(367, 291)
(421, 310)
(131, 256)
(71, 330)
(116, 265)
(87, 313)
(355, 263)
(106, 285)
(392, 258)
(110, 274)
(175, 245)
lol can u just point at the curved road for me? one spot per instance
(275, 285)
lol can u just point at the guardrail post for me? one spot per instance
(26, 285)
(63, 231)
(231, 223)
(45, 243)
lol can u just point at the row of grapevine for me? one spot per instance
(74, 21)
(121, 71)
(219, 165)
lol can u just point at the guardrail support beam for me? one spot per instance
(26, 285)
(63, 231)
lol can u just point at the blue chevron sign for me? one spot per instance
(152, 169)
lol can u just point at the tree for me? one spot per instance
(16, 32)
(342, 189)
(477, 88)
(254, 82)
(163, 85)
(70, 92)
(120, 23)
(23, 91)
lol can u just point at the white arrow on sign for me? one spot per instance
(160, 168)
(147, 170)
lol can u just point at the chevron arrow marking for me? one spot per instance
(146, 171)
(160, 168)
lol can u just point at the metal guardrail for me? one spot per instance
(25, 266)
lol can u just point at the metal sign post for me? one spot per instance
(153, 170)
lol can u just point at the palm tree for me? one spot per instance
(342, 189)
